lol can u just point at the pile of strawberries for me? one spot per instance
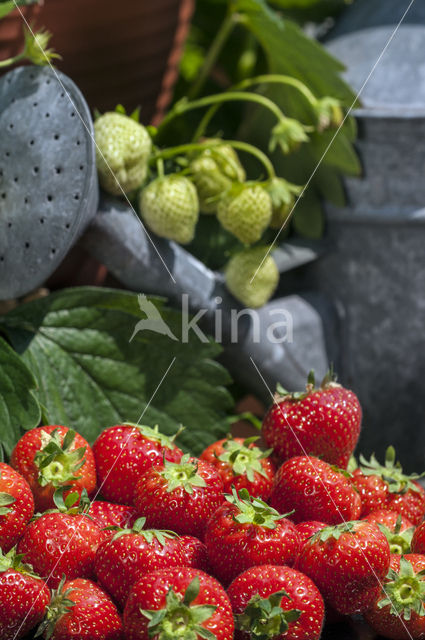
(238, 543)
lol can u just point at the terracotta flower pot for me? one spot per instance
(124, 52)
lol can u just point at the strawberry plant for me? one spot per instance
(84, 335)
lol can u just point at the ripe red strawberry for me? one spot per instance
(388, 518)
(81, 610)
(315, 490)
(347, 563)
(276, 602)
(107, 514)
(398, 612)
(243, 465)
(23, 597)
(178, 603)
(418, 540)
(323, 422)
(308, 528)
(61, 543)
(124, 452)
(387, 487)
(397, 530)
(131, 553)
(179, 496)
(51, 457)
(245, 532)
(195, 553)
(16, 506)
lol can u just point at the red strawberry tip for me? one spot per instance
(391, 472)
(179, 618)
(264, 619)
(243, 459)
(60, 604)
(182, 474)
(57, 462)
(253, 510)
(404, 591)
(154, 434)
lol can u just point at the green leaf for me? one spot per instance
(9, 6)
(19, 408)
(290, 51)
(90, 376)
(308, 218)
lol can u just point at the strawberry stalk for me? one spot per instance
(182, 474)
(58, 463)
(391, 472)
(35, 49)
(254, 510)
(244, 459)
(264, 618)
(398, 540)
(180, 619)
(170, 152)
(288, 133)
(405, 591)
(223, 33)
(60, 604)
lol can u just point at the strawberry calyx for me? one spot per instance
(334, 531)
(264, 618)
(404, 591)
(58, 462)
(399, 541)
(328, 382)
(72, 504)
(60, 604)
(182, 474)
(5, 501)
(14, 560)
(161, 535)
(254, 510)
(391, 472)
(180, 619)
(243, 459)
(155, 435)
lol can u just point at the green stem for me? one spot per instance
(231, 96)
(214, 51)
(277, 78)
(271, 78)
(10, 61)
(206, 119)
(236, 144)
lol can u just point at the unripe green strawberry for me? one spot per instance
(246, 212)
(242, 268)
(123, 147)
(169, 205)
(213, 172)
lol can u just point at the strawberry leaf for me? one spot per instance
(19, 408)
(76, 343)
